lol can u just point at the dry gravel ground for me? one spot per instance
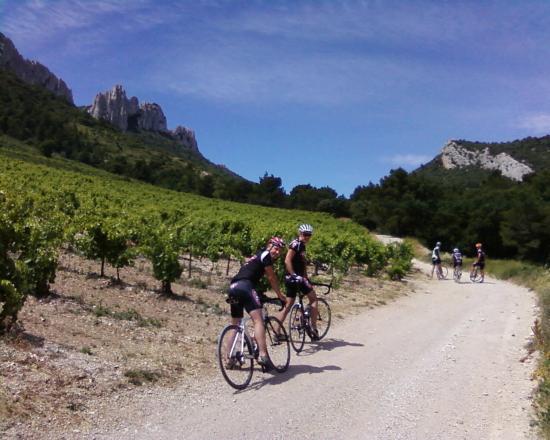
(96, 345)
(446, 361)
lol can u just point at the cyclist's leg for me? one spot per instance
(259, 330)
(237, 313)
(281, 316)
(312, 297)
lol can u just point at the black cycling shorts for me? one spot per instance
(243, 296)
(293, 287)
(457, 264)
(481, 265)
(436, 261)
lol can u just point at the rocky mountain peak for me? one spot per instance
(128, 114)
(31, 72)
(455, 155)
(186, 137)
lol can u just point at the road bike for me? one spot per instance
(442, 273)
(300, 319)
(237, 348)
(475, 275)
(457, 273)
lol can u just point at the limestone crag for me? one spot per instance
(115, 107)
(186, 137)
(151, 117)
(128, 114)
(454, 155)
(31, 72)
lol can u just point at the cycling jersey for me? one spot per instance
(436, 259)
(457, 258)
(299, 258)
(480, 256)
(254, 268)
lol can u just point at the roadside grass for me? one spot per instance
(537, 278)
(139, 377)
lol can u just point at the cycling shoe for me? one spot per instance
(266, 364)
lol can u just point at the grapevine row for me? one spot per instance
(113, 221)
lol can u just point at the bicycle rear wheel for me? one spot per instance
(444, 273)
(457, 274)
(297, 328)
(235, 357)
(277, 346)
(324, 317)
(475, 276)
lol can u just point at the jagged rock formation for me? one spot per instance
(115, 107)
(186, 137)
(454, 155)
(31, 72)
(151, 117)
(127, 114)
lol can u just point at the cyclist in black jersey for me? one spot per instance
(457, 257)
(436, 258)
(242, 293)
(296, 278)
(480, 261)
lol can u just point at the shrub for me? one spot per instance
(11, 301)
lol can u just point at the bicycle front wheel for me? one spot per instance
(277, 343)
(235, 357)
(457, 274)
(323, 318)
(297, 328)
(475, 276)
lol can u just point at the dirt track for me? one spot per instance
(444, 362)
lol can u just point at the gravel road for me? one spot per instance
(444, 362)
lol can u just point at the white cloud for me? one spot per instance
(407, 160)
(37, 22)
(537, 123)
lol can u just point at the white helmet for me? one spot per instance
(455, 250)
(438, 243)
(305, 229)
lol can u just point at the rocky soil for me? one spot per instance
(96, 342)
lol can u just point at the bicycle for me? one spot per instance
(475, 275)
(457, 273)
(442, 272)
(300, 320)
(237, 350)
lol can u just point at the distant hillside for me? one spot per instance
(49, 125)
(462, 160)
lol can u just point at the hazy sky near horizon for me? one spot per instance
(323, 92)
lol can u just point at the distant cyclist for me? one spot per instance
(480, 261)
(436, 259)
(457, 258)
(296, 278)
(242, 293)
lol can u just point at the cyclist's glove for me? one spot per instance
(296, 278)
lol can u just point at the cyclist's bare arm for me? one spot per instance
(288, 260)
(272, 278)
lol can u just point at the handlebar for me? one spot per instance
(328, 286)
(269, 300)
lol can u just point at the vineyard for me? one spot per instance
(115, 220)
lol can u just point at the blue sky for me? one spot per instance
(323, 92)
